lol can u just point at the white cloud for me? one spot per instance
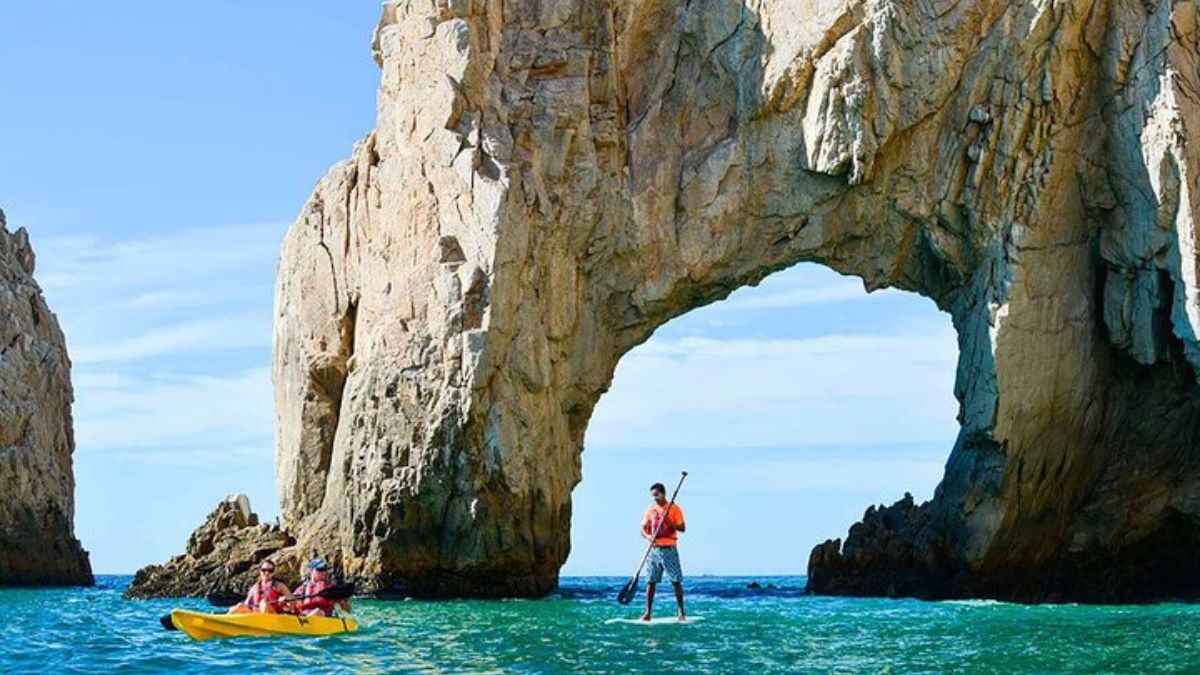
(170, 338)
(195, 291)
(79, 266)
(206, 335)
(827, 390)
(214, 417)
(258, 456)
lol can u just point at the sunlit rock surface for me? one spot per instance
(550, 181)
(37, 483)
(222, 556)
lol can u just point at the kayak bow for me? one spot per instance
(201, 626)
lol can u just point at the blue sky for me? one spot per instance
(157, 151)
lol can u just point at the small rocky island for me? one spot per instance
(222, 556)
(37, 485)
(550, 182)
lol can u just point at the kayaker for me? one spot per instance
(267, 595)
(664, 554)
(318, 581)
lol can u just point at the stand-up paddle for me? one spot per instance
(630, 590)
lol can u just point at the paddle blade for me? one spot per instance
(166, 622)
(626, 595)
(223, 598)
(338, 592)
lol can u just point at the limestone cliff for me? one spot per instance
(37, 511)
(549, 181)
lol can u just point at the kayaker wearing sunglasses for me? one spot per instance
(267, 595)
(318, 581)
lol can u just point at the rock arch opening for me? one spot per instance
(798, 401)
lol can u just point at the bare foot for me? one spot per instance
(646, 616)
(682, 617)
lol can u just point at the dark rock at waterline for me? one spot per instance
(879, 557)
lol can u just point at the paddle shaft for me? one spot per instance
(661, 523)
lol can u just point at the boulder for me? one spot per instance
(222, 556)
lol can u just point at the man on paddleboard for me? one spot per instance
(664, 554)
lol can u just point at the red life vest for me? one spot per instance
(311, 588)
(270, 595)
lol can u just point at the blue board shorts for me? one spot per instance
(665, 558)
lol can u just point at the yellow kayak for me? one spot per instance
(201, 626)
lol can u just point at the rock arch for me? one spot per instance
(550, 181)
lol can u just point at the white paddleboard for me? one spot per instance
(658, 621)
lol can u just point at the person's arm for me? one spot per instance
(344, 605)
(296, 596)
(287, 592)
(677, 522)
(647, 534)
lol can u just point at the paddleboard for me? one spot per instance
(659, 621)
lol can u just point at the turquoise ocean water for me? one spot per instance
(744, 631)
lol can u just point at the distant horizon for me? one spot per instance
(613, 576)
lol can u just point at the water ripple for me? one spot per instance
(764, 629)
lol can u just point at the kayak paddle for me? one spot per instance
(630, 589)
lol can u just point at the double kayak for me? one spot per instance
(201, 626)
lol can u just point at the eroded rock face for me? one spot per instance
(222, 556)
(550, 181)
(37, 484)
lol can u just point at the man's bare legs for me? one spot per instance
(679, 599)
(651, 588)
(649, 601)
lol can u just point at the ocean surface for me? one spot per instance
(743, 631)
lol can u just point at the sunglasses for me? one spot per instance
(267, 569)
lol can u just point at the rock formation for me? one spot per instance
(549, 181)
(222, 556)
(37, 511)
